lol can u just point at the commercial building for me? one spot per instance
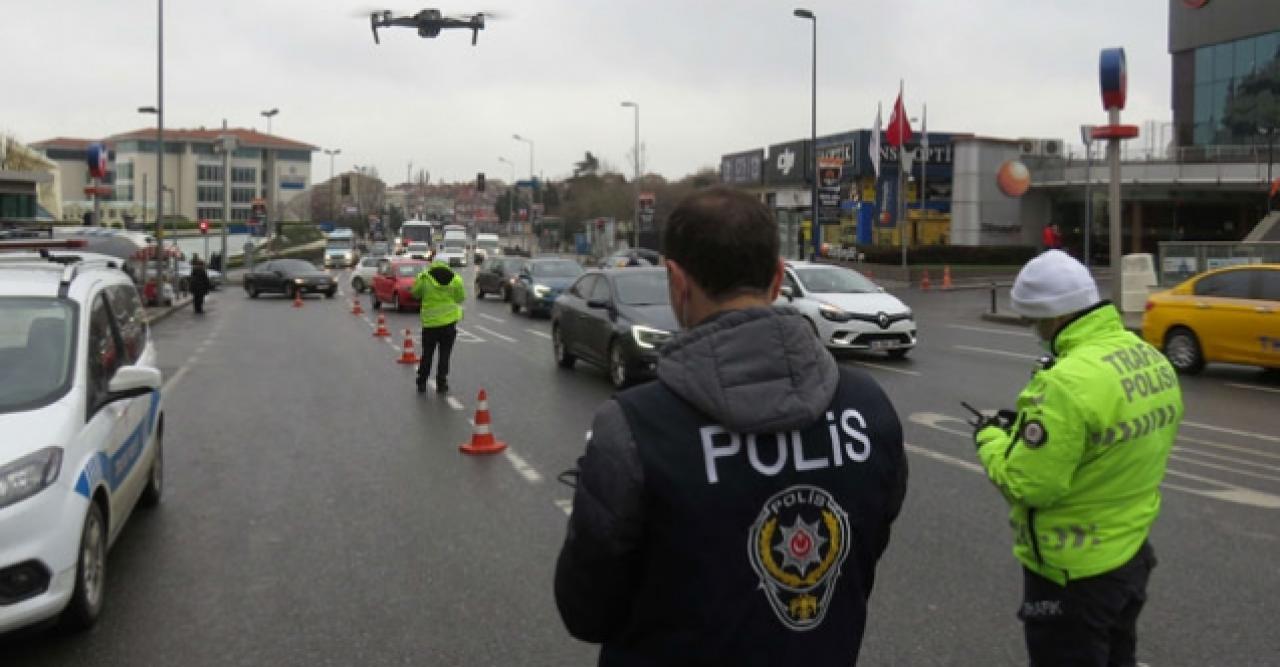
(28, 184)
(1226, 65)
(262, 166)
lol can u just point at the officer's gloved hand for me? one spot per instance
(987, 434)
(1005, 418)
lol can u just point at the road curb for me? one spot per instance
(179, 305)
(1003, 319)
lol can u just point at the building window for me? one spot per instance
(202, 149)
(66, 154)
(209, 193)
(17, 206)
(124, 170)
(243, 174)
(252, 153)
(1230, 80)
(242, 195)
(240, 214)
(209, 172)
(295, 156)
(209, 213)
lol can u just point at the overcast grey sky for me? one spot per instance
(711, 77)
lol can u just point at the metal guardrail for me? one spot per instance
(1179, 260)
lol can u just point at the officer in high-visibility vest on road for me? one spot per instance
(1080, 463)
(441, 293)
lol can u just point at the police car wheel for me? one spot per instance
(563, 358)
(618, 373)
(91, 571)
(253, 291)
(1183, 350)
(155, 479)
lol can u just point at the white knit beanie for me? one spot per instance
(1051, 285)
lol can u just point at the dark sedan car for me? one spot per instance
(540, 281)
(615, 318)
(497, 275)
(288, 277)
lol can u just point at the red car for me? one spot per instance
(393, 280)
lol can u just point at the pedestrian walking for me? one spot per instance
(733, 511)
(1052, 237)
(1080, 463)
(441, 293)
(198, 283)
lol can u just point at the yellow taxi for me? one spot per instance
(1229, 315)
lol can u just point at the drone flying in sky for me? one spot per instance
(429, 22)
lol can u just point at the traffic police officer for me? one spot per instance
(733, 512)
(1080, 464)
(441, 293)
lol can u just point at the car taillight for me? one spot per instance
(1150, 305)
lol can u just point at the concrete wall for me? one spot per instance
(1219, 21)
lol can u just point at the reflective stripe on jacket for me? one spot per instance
(1081, 466)
(440, 292)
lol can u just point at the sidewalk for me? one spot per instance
(155, 314)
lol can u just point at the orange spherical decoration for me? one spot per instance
(1013, 178)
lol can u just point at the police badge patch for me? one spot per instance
(1033, 434)
(797, 546)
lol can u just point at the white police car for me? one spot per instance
(81, 420)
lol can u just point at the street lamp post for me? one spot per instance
(635, 222)
(511, 192)
(813, 136)
(269, 114)
(159, 189)
(533, 190)
(331, 153)
(1086, 135)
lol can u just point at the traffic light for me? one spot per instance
(480, 182)
(204, 226)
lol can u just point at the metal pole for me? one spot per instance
(1088, 202)
(227, 147)
(813, 145)
(1113, 154)
(924, 166)
(159, 135)
(1270, 142)
(636, 221)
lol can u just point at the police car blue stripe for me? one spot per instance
(115, 470)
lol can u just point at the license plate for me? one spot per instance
(884, 344)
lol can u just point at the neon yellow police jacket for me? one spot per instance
(1082, 464)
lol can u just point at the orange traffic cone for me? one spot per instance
(297, 298)
(408, 356)
(482, 440)
(355, 307)
(381, 331)
(924, 281)
(946, 276)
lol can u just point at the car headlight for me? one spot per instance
(347, 255)
(648, 337)
(298, 281)
(29, 475)
(541, 290)
(834, 313)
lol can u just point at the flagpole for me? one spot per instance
(902, 191)
(924, 166)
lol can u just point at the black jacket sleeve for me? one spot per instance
(598, 570)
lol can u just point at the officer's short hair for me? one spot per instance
(726, 240)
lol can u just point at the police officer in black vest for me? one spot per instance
(732, 512)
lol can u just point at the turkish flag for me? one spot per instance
(899, 130)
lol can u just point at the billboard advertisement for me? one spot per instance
(743, 169)
(788, 163)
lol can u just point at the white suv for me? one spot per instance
(82, 423)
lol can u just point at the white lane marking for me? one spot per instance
(495, 334)
(454, 403)
(173, 381)
(945, 458)
(201, 349)
(530, 475)
(1226, 492)
(539, 333)
(465, 336)
(207, 341)
(565, 506)
(1224, 457)
(1234, 448)
(193, 360)
(1254, 387)
(1000, 353)
(1234, 471)
(885, 368)
(492, 318)
(1232, 431)
(1007, 332)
